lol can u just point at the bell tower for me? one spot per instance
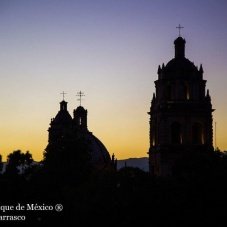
(80, 118)
(80, 114)
(180, 113)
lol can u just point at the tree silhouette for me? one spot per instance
(17, 161)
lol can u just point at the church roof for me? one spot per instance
(99, 154)
(180, 64)
(62, 117)
(80, 109)
(179, 67)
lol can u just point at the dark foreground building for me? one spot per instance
(180, 113)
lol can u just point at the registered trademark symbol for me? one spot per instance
(58, 207)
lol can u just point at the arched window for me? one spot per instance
(176, 134)
(186, 91)
(197, 133)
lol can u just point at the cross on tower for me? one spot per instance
(80, 94)
(179, 27)
(63, 94)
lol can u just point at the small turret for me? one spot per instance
(208, 95)
(114, 162)
(63, 105)
(80, 117)
(201, 69)
(179, 47)
(159, 70)
(153, 98)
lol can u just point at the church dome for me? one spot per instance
(99, 155)
(80, 109)
(180, 64)
(179, 67)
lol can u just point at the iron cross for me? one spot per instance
(63, 94)
(179, 27)
(80, 94)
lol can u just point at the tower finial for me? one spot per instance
(201, 68)
(179, 28)
(179, 47)
(63, 95)
(80, 94)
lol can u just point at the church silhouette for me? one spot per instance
(66, 134)
(181, 120)
(180, 113)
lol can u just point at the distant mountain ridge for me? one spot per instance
(141, 163)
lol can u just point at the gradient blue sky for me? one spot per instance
(109, 49)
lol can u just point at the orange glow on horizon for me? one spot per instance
(126, 141)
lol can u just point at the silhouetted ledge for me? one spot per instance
(141, 163)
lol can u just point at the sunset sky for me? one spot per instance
(110, 50)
